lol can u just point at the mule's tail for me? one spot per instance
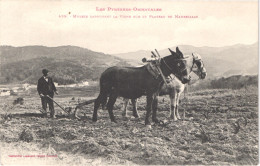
(106, 84)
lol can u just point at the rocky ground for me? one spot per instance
(220, 128)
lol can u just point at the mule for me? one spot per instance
(134, 82)
(174, 88)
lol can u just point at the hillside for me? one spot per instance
(69, 64)
(10, 54)
(72, 64)
(219, 61)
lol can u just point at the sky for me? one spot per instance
(219, 23)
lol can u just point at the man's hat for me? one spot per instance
(45, 71)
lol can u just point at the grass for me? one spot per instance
(208, 135)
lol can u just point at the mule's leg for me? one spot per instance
(177, 106)
(149, 100)
(173, 106)
(104, 104)
(134, 103)
(110, 105)
(124, 114)
(75, 113)
(154, 108)
(98, 101)
(171, 103)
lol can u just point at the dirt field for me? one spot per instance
(220, 128)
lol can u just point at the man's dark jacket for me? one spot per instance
(46, 88)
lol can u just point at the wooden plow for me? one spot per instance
(80, 105)
(68, 110)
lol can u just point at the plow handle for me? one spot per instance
(57, 104)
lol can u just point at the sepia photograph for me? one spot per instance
(126, 82)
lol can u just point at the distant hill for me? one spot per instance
(69, 64)
(235, 82)
(219, 61)
(232, 82)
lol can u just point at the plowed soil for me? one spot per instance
(220, 128)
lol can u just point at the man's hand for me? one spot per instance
(41, 95)
(56, 92)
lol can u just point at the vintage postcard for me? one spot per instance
(125, 82)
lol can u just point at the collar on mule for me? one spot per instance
(154, 69)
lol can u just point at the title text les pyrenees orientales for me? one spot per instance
(129, 9)
(136, 9)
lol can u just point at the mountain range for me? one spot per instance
(68, 64)
(72, 64)
(225, 61)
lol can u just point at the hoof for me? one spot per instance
(174, 118)
(124, 115)
(171, 116)
(148, 127)
(163, 123)
(94, 119)
(125, 118)
(156, 120)
(136, 116)
(114, 121)
(190, 119)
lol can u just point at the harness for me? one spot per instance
(153, 70)
(154, 66)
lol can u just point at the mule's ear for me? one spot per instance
(179, 52)
(172, 52)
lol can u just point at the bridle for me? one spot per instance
(195, 59)
(199, 70)
(171, 70)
